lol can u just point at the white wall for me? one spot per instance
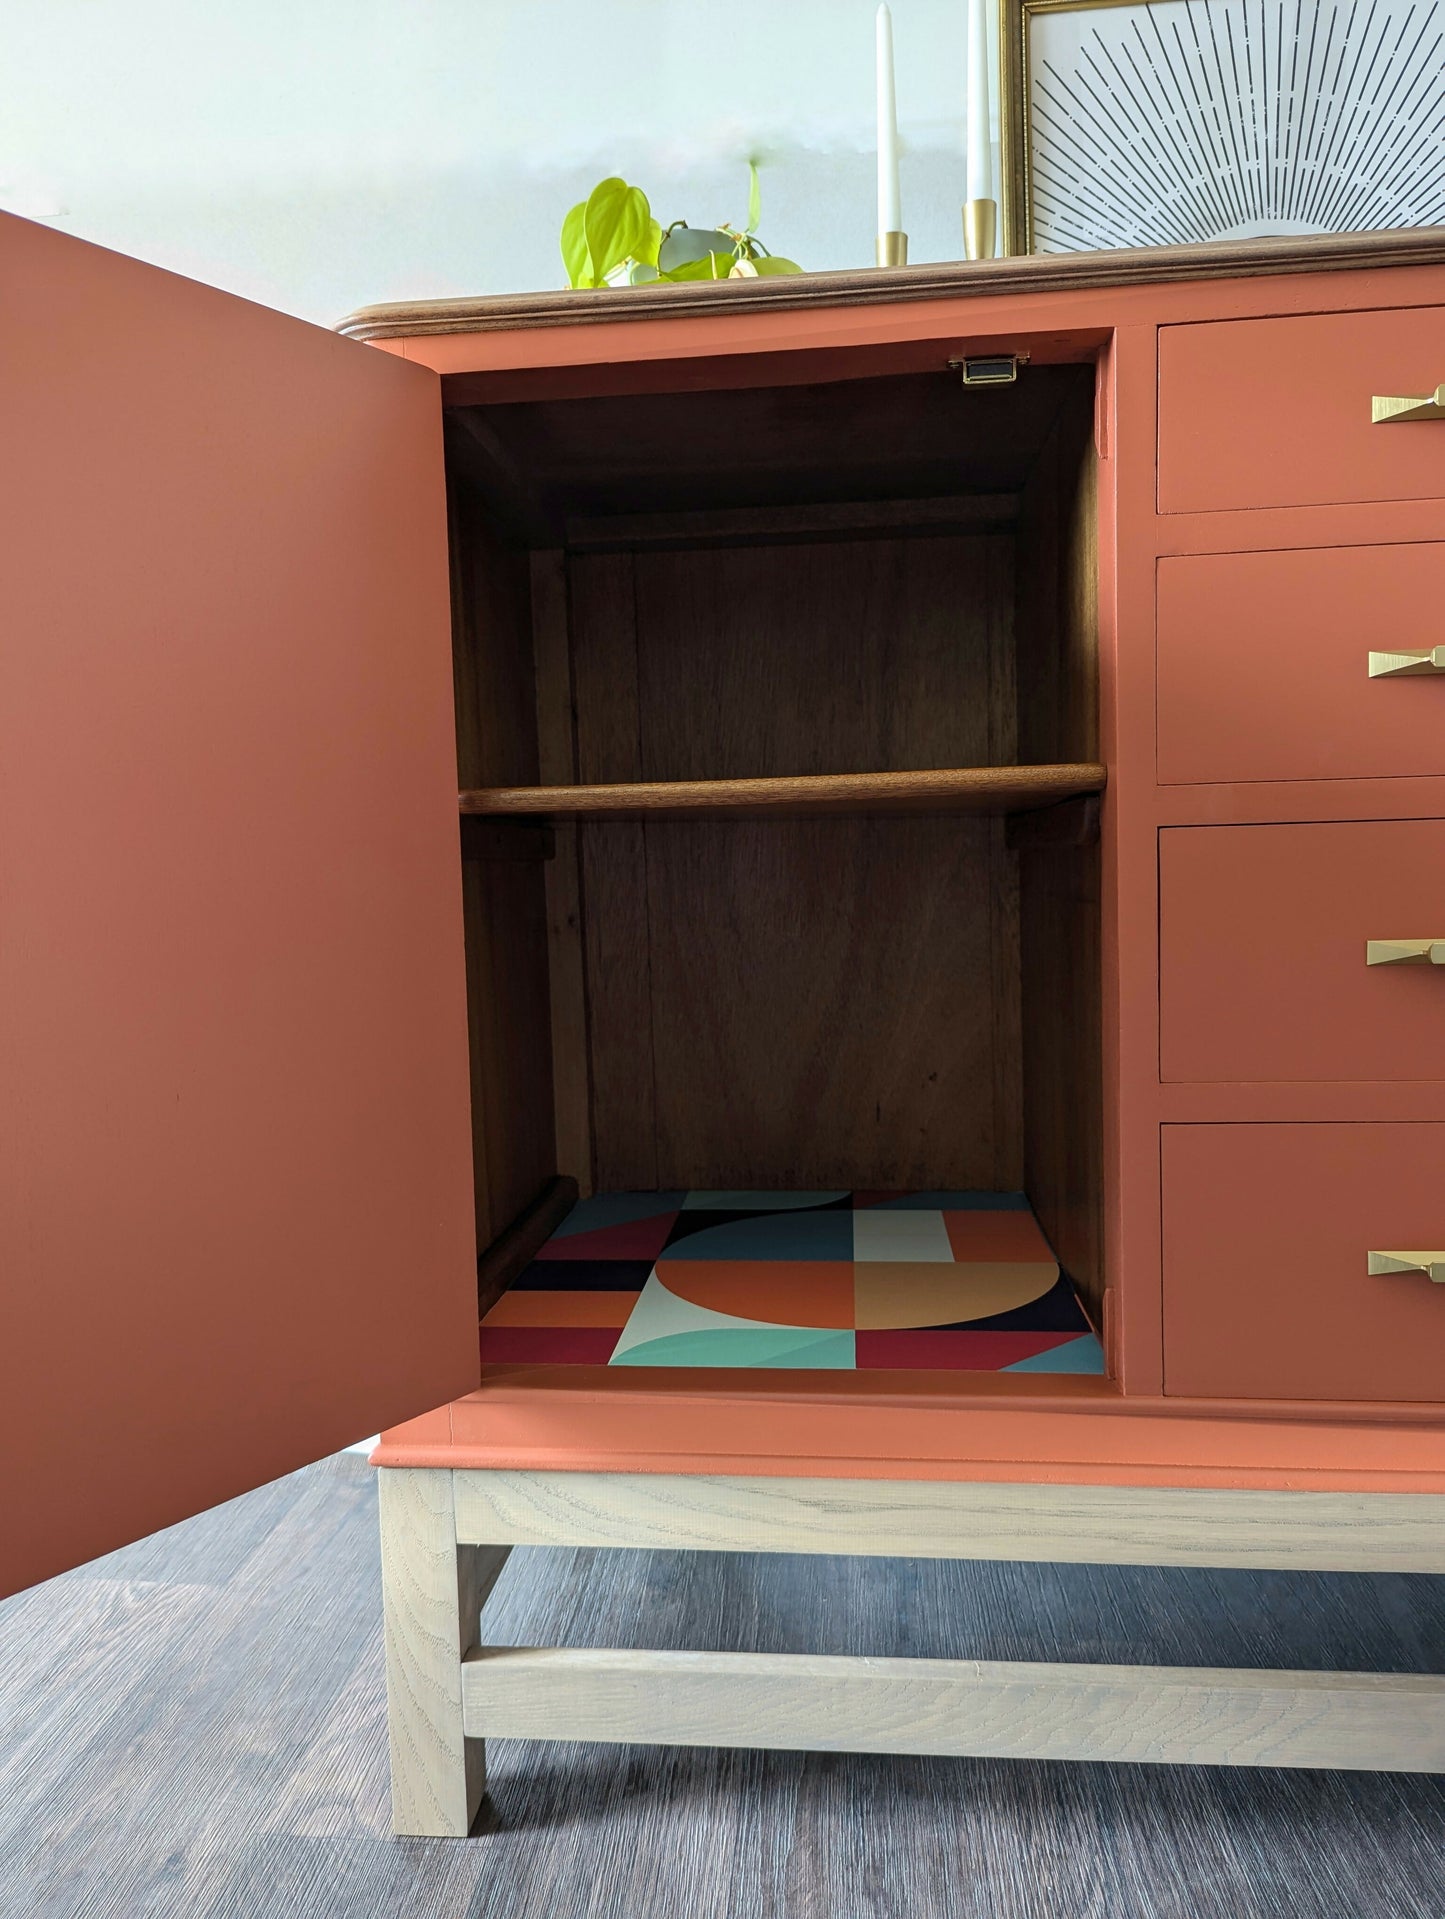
(322, 154)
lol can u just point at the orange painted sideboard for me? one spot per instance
(1270, 807)
(1124, 520)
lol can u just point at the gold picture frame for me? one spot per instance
(1015, 172)
(1220, 120)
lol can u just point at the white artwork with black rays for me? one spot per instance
(1182, 120)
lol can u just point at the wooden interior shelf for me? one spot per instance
(967, 789)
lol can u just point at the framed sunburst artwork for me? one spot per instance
(1160, 122)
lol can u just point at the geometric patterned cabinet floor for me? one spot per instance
(851, 1282)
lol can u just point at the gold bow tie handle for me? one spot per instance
(1403, 666)
(1405, 952)
(1386, 409)
(1432, 1265)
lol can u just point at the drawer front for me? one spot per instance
(1256, 413)
(1267, 1236)
(1263, 933)
(1264, 664)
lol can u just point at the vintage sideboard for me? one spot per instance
(956, 730)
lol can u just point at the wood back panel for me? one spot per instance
(823, 1006)
(614, 877)
(860, 656)
(816, 1003)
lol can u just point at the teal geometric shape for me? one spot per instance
(777, 1346)
(1082, 1355)
(616, 1209)
(772, 1235)
(663, 1330)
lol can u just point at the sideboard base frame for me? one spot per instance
(446, 1535)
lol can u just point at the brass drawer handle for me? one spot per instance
(1405, 952)
(1431, 1264)
(1388, 408)
(1395, 666)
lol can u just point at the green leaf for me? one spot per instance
(712, 266)
(642, 215)
(642, 272)
(647, 251)
(775, 263)
(755, 197)
(616, 222)
(684, 245)
(575, 256)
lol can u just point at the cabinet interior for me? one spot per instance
(882, 574)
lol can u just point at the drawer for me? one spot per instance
(1264, 664)
(1256, 413)
(1262, 932)
(1267, 1288)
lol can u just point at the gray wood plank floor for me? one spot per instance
(196, 1726)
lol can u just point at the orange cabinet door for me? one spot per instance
(1256, 413)
(1267, 1235)
(1264, 664)
(1263, 935)
(235, 1212)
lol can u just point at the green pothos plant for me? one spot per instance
(613, 239)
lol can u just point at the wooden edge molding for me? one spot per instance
(950, 1519)
(500, 1264)
(943, 280)
(1160, 1715)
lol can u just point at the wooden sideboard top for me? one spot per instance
(946, 279)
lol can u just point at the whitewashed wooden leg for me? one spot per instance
(433, 1591)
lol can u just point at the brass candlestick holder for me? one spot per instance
(980, 229)
(893, 249)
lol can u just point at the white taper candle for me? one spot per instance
(980, 142)
(890, 206)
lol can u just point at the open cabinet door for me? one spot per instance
(235, 1179)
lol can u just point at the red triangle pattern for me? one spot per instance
(637, 1239)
